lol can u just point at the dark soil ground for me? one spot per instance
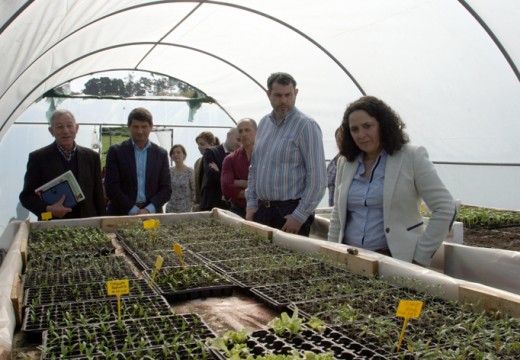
(507, 238)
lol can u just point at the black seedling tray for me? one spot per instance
(193, 282)
(165, 352)
(77, 276)
(261, 262)
(238, 253)
(38, 318)
(147, 259)
(264, 342)
(262, 277)
(245, 244)
(184, 331)
(80, 292)
(278, 296)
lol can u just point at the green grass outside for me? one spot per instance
(117, 137)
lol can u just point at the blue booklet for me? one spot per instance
(54, 194)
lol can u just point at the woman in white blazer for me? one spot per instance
(380, 181)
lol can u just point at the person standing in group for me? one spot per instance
(53, 160)
(331, 171)
(213, 157)
(235, 168)
(182, 180)
(204, 140)
(137, 179)
(380, 182)
(287, 178)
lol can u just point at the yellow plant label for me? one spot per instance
(409, 309)
(159, 262)
(151, 224)
(46, 215)
(118, 287)
(178, 249)
(158, 265)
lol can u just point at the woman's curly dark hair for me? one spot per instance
(391, 128)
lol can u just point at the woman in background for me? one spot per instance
(204, 140)
(380, 181)
(182, 180)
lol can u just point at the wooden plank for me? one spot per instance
(24, 244)
(214, 213)
(356, 263)
(111, 223)
(16, 298)
(262, 230)
(23, 252)
(482, 300)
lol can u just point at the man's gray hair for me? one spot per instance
(59, 112)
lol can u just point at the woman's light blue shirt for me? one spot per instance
(364, 226)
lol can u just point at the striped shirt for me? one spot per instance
(288, 163)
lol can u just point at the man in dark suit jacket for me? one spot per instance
(213, 157)
(137, 177)
(53, 160)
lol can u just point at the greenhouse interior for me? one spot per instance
(113, 288)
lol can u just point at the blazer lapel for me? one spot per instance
(130, 155)
(55, 163)
(348, 172)
(150, 168)
(82, 172)
(393, 167)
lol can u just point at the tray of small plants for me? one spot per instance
(69, 271)
(262, 262)
(188, 234)
(190, 282)
(246, 244)
(41, 317)
(341, 283)
(76, 242)
(214, 255)
(79, 292)
(132, 338)
(443, 330)
(146, 260)
(290, 337)
(282, 274)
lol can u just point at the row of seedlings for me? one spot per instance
(360, 308)
(66, 300)
(185, 276)
(444, 330)
(291, 337)
(250, 260)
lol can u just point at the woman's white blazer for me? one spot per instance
(409, 176)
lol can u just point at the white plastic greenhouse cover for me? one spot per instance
(448, 67)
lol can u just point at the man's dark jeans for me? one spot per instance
(239, 210)
(274, 216)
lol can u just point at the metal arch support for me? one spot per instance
(493, 37)
(124, 45)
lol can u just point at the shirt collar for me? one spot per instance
(360, 156)
(66, 154)
(226, 150)
(289, 116)
(148, 144)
